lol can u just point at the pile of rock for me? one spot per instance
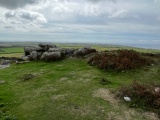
(48, 52)
(83, 52)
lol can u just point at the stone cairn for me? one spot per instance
(48, 52)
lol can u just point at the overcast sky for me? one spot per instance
(100, 21)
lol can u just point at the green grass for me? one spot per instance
(65, 90)
(12, 52)
(68, 89)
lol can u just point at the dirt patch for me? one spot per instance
(106, 95)
(57, 97)
(151, 115)
(81, 110)
(63, 79)
(126, 115)
(120, 111)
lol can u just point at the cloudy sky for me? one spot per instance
(95, 21)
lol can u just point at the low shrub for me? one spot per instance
(119, 60)
(143, 96)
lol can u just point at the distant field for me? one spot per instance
(102, 48)
(11, 52)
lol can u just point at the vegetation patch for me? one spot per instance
(104, 81)
(119, 60)
(143, 96)
(26, 77)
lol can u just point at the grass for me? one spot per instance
(64, 90)
(68, 89)
(11, 52)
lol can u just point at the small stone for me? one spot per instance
(157, 89)
(128, 99)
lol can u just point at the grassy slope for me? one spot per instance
(64, 90)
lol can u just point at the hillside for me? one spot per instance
(70, 89)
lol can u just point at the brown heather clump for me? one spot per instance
(143, 96)
(119, 60)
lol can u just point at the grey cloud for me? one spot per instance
(9, 14)
(29, 15)
(25, 16)
(8, 27)
(114, 1)
(13, 4)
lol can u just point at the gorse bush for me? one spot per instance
(119, 60)
(144, 96)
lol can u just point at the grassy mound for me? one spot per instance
(119, 60)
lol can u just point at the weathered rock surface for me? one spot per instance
(28, 50)
(25, 58)
(5, 62)
(51, 56)
(84, 51)
(54, 50)
(48, 52)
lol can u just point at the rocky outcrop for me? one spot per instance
(28, 50)
(48, 52)
(51, 56)
(84, 51)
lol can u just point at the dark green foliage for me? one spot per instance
(119, 60)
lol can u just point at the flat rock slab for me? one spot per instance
(4, 66)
